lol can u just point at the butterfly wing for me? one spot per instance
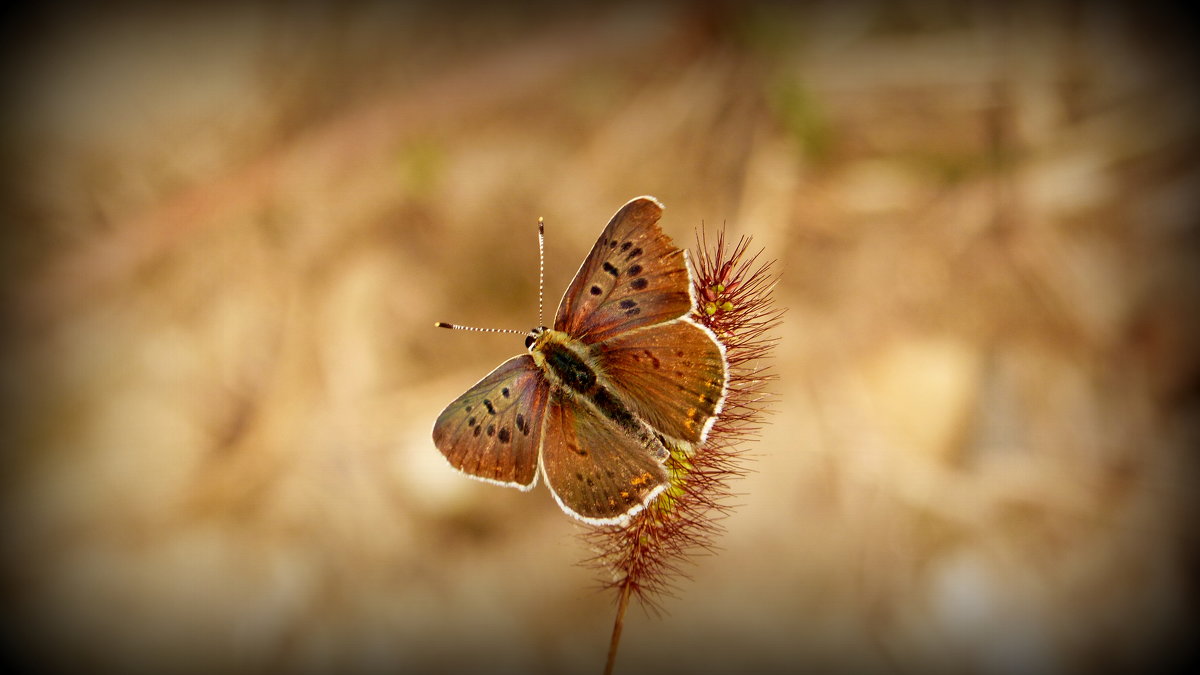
(493, 431)
(596, 472)
(634, 276)
(673, 375)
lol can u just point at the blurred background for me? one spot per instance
(228, 232)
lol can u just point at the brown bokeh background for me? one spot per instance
(229, 232)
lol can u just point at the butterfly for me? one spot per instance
(624, 378)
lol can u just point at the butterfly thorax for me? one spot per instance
(566, 361)
(570, 366)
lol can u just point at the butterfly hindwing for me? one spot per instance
(493, 431)
(634, 276)
(673, 375)
(597, 473)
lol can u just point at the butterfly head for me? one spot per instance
(532, 338)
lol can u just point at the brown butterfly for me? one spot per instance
(624, 378)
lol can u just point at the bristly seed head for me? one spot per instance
(734, 300)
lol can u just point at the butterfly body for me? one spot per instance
(574, 373)
(624, 378)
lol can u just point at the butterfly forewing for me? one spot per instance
(634, 276)
(596, 472)
(673, 375)
(493, 431)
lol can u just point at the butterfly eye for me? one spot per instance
(533, 335)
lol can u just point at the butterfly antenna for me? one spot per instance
(541, 269)
(454, 326)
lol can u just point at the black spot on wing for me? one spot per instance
(503, 434)
(595, 290)
(634, 253)
(635, 270)
(626, 304)
(638, 284)
(608, 267)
